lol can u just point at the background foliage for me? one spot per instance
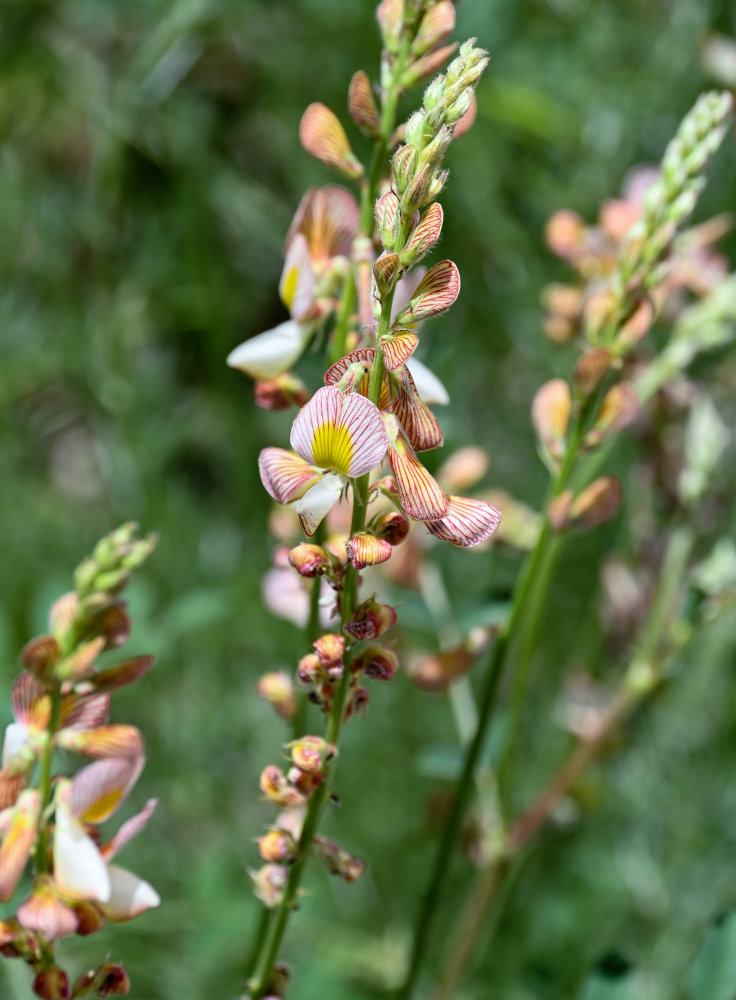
(148, 172)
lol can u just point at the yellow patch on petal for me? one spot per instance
(103, 807)
(333, 448)
(288, 286)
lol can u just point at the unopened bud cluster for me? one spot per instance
(61, 701)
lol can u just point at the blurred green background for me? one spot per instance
(149, 170)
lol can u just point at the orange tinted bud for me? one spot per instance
(558, 509)
(434, 294)
(362, 104)
(386, 271)
(275, 786)
(635, 328)
(427, 65)
(52, 984)
(558, 329)
(309, 560)
(436, 673)
(564, 233)
(330, 649)
(277, 688)
(551, 414)
(371, 620)
(436, 24)
(40, 655)
(591, 368)
(323, 136)
(376, 662)
(367, 550)
(463, 469)
(596, 504)
(619, 408)
(277, 846)
(311, 753)
(564, 300)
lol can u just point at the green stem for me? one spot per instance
(44, 783)
(489, 692)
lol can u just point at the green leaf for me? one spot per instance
(713, 972)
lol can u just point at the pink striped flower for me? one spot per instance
(335, 438)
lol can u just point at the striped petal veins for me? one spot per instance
(341, 433)
(467, 522)
(285, 475)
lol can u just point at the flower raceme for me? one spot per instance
(335, 438)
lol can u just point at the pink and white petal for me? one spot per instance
(271, 353)
(29, 701)
(328, 216)
(285, 475)
(315, 503)
(18, 841)
(362, 418)
(434, 294)
(420, 424)
(79, 869)
(123, 674)
(98, 789)
(467, 522)
(322, 410)
(427, 384)
(297, 283)
(419, 493)
(45, 913)
(131, 828)
(129, 895)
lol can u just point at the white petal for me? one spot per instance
(79, 870)
(429, 387)
(316, 502)
(14, 745)
(271, 353)
(129, 895)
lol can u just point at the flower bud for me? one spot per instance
(415, 129)
(280, 393)
(387, 271)
(551, 414)
(376, 662)
(275, 786)
(591, 367)
(277, 846)
(434, 294)
(390, 15)
(357, 703)
(323, 136)
(434, 151)
(388, 217)
(309, 560)
(330, 649)
(364, 550)
(279, 981)
(619, 408)
(40, 655)
(393, 527)
(277, 689)
(370, 620)
(565, 233)
(52, 984)
(425, 66)
(404, 165)
(435, 93)
(338, 861)
(106, 981)
(362, 105)
(309, 669)
(597, 504)
(305, 782)
(436, 24)
(269, 883)
(460, 106)
(311, 753)
(424, 235)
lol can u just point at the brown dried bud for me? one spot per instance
(370, 620)
(376, 662)
(392, 527)
(309, 560)
(362, 105)
(106, 981)
(357, 702)
(52, 984)
(305, 782)
(338, 861)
